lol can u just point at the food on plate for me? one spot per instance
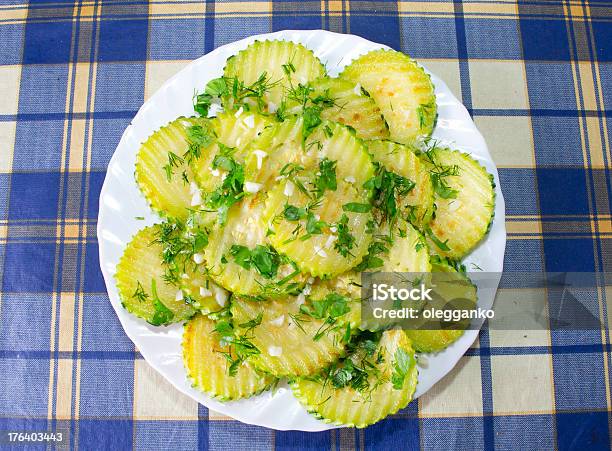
(283, 188)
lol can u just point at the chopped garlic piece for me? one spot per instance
(301, 298)
(357, 89)
(239, 112)
(179, 296)
(275, 351)
(278, 321)
(289, 188)
(196, 198)
(260, 154)
(319, 251)
(333, 229)
(205, 292)
(252, 187)
(249, 121)
(350, 179)
(307, 289)
(330, 241)
(221, 296)
(198, 258)
(272, 107)
(215, 172)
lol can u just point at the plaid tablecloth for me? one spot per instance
(536, 76)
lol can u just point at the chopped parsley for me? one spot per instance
(346, 241)
(264, 259)
(442, 245)
(402, 364)
(232, 187)
(356, 207)
(240, 345)
(163, 315)
(326, 177)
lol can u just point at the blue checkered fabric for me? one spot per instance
(536, 76)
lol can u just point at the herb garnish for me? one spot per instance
(402, 364)
(388, 188)
(264, 259)
(345, 241)
(163, 315)
(241, 347)
(326, 177)
(232, 187)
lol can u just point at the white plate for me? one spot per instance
(121, 202)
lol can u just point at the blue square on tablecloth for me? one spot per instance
(105, 434)
(569, 255)
(106, 136)
(173, 435)
(579, 378)
(25, 320)
(24, 383)
(519, 189)
(605, 76)
(291, 440)
(106, 334)
(230, 29)
(96, 179)
(42, 89)
(524, 432)
(297, 21)
(537, 36)
(393, 433)
(39, 145)
(524, 255)
(556, 80)
(94, 282)
(123, 40)
(562, 191)
(557, 141)
(450, 433)
(428, 37)
(243, 437)
(119, 87)
(603, 40)
(176, 39)
(34, 195)
(47, 42)
(107, 387)
(29, 267)
(588, 430)
(385, 30)
(11, 36)
(493, 39)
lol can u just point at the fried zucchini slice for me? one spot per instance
(351, 106)
(141, 285)
(235, 130)
(401, 88)
(317, 212)
(208, 368)
(418, 204)
(293, 343)
(163, 159)
(239, 258)
(465, 203)
(436, 340)
(282, 64)
(324, 241)
(366, 387)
